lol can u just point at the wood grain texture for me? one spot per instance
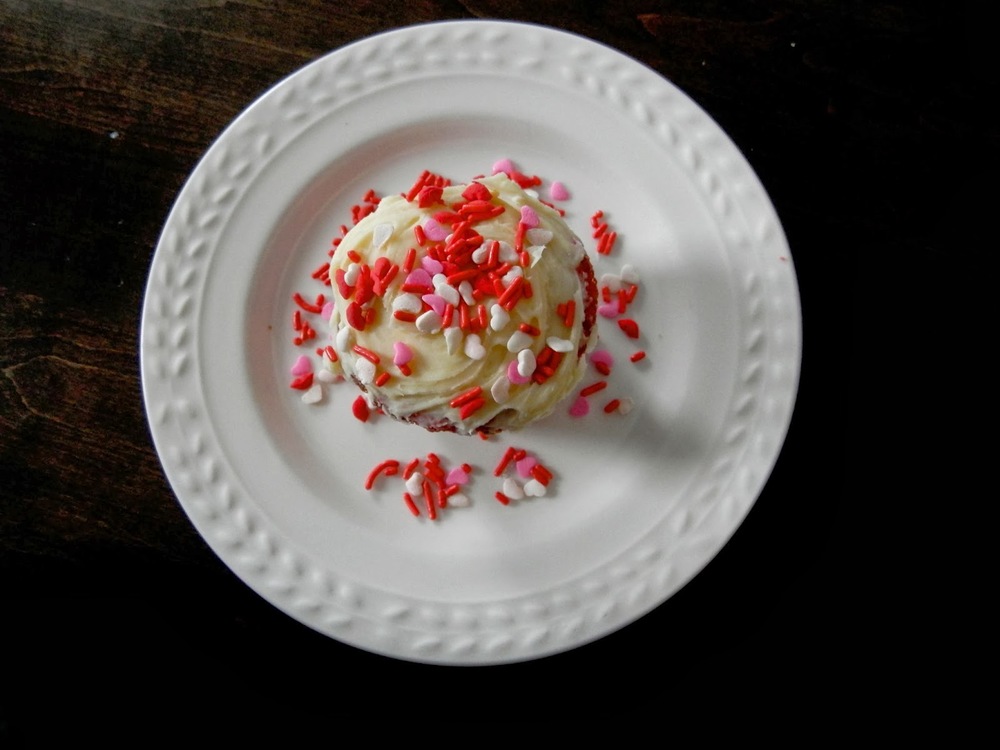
(867, 122)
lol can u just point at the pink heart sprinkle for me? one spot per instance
(436, 301)
(431, 265)
(514, 376)
(608, 310)
(580, 407)
(434, 231)
(419, 277)
(327, 311)
(457, 476)
(558, 192)
(525, 465)
(503, 165)
(602, 356)
(302, 366)
(401, 353)
(528, 216)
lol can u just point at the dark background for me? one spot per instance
(867, 123)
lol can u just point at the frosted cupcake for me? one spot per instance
(467, 308)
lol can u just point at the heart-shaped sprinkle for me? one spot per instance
(431, 265)
(525, 465)
(608, 310)
(503, 165)
(327, 312)
(558, 191)
(408, 302)
(458, 475)
(453, 338)
(418, 277)
(518, 341)
(602, 357)
(382, 234)
(302, 366)
(501, 390)
(436, 302)
(557, 344)
(498, 317)
(314, 395)
(514, 376)
(580, 407)
(528, 216)
(401, 353)
(364, 370)
(429, 322)
(434, 231)
(512, 489)
(534, 488)
(526, 363)
(458, 500)
(474, 347)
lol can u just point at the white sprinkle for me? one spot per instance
(629, 274)
(326, 375)
(534, 488)
(498, 317)
(501, 390)
(512, 274)
(512, 489)
(408, 302)
(518, 340)
(612, 282)
(381, 234)
(474, 347)
(314, 395)
(557, 344)
(465, 289)
(415, 484)
(351, 274)
(343, 340)
(625, 405)
(480, 254)
(458, 500)
(453, 338)
(429, 322)
(364, 369)
(538, 236)
(507, 253)
(447, 292)
(526, 363)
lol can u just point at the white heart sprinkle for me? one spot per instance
(525, 363)
(629, 274)
(364, 369)
(480, 254)
(512, 489)
(612, 282)
(507, 253)
(351, 274)
(518, 340)
(500, 390)
(326, 376)
(415, 484)
(458, 500)
(448, 293)
(381, 234)
(498, 317)
(557, 344)
(534, 488)
(408, 302)
(538, 236)
(314, 395)
(467, 292)
(453, 338)
(343, 339)
(429, 322)
(625, 405)
(474, 347)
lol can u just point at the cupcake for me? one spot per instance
(466, 308)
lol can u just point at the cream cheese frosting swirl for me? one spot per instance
(462, 307)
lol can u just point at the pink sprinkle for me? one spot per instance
(528, 217)
(458, 475)
(580, 407)
(434, 231)
(558, 192)
(401, 354)
(602, 357)
(609, 309)
(327, 311)
(504, 165)
(514, 376)
(302, 366)
(525, 465)
(431, 265)
(419, 277)
(436, 302)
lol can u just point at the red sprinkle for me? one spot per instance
(408, 499)
(303, 382)
(464, 398)
(612, 405)
(590, 390)
(361, 409)
(470, 408)
(388, 467)
(382, 379)
(638, 356)
(508, 456)
(504, 500)
(630, 327)
(367, 354)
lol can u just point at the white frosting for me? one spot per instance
(447, 361)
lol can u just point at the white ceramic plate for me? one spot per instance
(641, 501)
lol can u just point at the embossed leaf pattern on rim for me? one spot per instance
(599, 601)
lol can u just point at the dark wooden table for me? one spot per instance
(865, 121)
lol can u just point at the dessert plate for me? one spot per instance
(641, 499)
